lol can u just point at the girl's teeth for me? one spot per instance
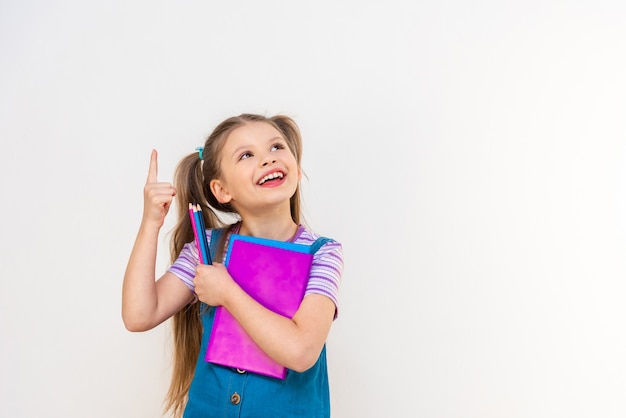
(271, 177)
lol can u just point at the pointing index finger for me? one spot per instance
(154, 167)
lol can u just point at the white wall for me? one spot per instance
(470, 156)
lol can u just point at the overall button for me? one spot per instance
(235, 398)
(240, 371)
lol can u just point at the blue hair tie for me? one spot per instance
(200, 151)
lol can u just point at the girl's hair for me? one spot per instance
(191, 179)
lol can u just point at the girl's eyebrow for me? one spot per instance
(239, 150)
(275, 138)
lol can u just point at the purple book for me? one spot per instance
(275, 274)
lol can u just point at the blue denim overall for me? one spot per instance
(223, 392)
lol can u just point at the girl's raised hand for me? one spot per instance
(157, 197)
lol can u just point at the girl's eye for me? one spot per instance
(277, 146)
(245, 155)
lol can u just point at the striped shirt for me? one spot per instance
(325, 273)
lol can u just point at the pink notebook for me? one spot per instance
(275, 273)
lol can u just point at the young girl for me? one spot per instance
(249, 167)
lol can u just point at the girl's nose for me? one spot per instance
(268, 161)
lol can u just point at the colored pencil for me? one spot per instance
(195, 230)
(203, 239)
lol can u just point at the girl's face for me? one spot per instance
(258, 169)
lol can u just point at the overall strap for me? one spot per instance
(217, 233)
(319, 243)
(215, 240)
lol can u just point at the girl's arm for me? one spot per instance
(146, 303)
(295, 343)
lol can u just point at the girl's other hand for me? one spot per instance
(157, 197)
(212, 282)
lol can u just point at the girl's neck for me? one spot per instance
(276, 229)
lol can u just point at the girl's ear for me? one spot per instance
(219, 191)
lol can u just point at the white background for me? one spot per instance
(469, 155)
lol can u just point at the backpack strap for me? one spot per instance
(319, 243)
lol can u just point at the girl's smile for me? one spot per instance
(272, 179)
